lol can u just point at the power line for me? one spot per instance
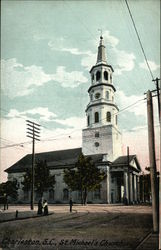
(68, 134)
(143, 51)
(19, 116)
(79, 19)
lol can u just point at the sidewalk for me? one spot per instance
(10, 216)
(150, 242)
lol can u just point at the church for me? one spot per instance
(101, 140)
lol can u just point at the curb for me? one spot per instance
(25, 218)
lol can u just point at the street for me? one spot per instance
(87, 227)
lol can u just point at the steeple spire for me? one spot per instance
(101, 57)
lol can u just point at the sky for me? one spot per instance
(47, 50)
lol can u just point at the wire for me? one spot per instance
(79, 19)
(139, 40)
(20, 116)
(68, 134)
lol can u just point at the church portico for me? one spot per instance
(127, 179)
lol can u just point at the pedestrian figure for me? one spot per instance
(40, 207)
(45, 206)
(16, 214)
(70, 204)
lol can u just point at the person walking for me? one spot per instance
(70, 204)
(40, 207)
(45, 206)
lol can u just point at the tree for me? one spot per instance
(42, 178)
(84, 177)
(9, 189)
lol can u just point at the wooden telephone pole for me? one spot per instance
(158, 95)
(152, 160)
(33, 132)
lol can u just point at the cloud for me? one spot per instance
(69, 79)
(123, 61)
(44, 113)
(153, 65)
(18, 80)
(139, 108)
(88, 61)
(74, 122)
(62, 48)
(125, 101)
(109, 39)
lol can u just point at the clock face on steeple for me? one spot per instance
(97, 95)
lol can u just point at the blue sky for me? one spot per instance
(47, 50)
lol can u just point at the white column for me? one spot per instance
(126, 186)
(135, 189)
(138, 188)
(108, 187)
(131, 188)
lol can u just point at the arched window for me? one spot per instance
(107, 95)
(108, 117)
(91, 97)
(105, 75)
(96, 116)
(98, 75)
(65, 194)
(111, 77)
(92, 77)
(88, 120)
(51, 194)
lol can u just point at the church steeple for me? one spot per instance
(101, 56)
(102, 135)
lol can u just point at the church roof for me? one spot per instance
(123, 160)
(55, 159)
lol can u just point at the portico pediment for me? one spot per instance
(122, 163)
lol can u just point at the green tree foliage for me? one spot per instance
(84, 177)
(9, 189)
(43, 179)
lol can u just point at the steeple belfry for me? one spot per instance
(101, 56)
(102, 135)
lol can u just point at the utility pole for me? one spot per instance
(33, 132)
(152, 160)
(158, 95)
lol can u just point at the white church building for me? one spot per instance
(101, 140)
